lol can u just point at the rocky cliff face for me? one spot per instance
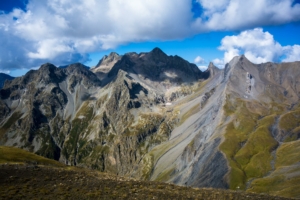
(158, 117)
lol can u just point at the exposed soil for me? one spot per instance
(45, 182)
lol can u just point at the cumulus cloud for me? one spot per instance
(241, 14)
(292, 53)
(199, 60)
(219, 62)
(65, 31)
(258, 46)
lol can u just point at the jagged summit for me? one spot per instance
(157, 52)
(212, 69)
(113, 56)
(106, 64)
(159, 67)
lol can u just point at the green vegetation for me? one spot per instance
(254, 156)
(248, 143)
(190, 112)
(288, 154)
(14, 117)
(237, 133)
(147, 164)
(15, 155)
(147, 123)
(165, 175)
(281, 182)
(290, 120)
(79, 127)
(48, 148)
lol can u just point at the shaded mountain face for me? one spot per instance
(156, 66)
(3, 78)
(158, 117)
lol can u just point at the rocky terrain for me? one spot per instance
(151, 116)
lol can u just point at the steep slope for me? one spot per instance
(251, 115)
(3, 78)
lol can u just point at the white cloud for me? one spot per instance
(199, 60)
(219, 62)
(258, 46)
(292, 53)
(63, 31)
(5, 71)
(202, 68)
(241, 14)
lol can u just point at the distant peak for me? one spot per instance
(77, 66)
(112, 57)
(211, 65)
(113, 54)
(47, 66)
(157, 50)
(212, 69)
(244, 58)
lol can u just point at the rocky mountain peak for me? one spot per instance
(157, 52)
(157, 55)
(212, 69)
(47, 67)
(105, 64)
(159, 67)
(113, 56)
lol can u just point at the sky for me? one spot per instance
(33, 32)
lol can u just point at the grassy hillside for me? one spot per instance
(13, 155)
(260, 163)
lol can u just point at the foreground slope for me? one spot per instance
(37, 177)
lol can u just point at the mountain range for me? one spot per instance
(151, 116)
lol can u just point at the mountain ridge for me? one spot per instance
(158, 117)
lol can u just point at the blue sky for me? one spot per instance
(33, 32)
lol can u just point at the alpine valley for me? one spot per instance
(151, 116)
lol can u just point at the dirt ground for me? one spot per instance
(45, 182)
